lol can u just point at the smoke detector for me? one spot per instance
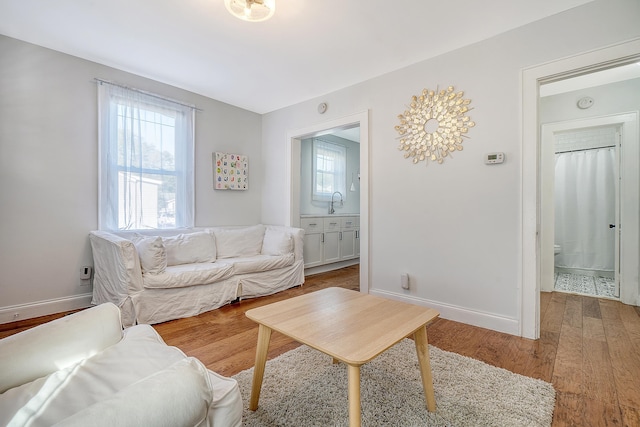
(586, 102)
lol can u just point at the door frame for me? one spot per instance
(611, 56)
(292, 179)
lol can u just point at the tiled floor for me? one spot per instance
(587, 285)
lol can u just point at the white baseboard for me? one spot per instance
(491, 321)
(15, 313)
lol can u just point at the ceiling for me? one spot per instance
(352, 134)
(308, 49)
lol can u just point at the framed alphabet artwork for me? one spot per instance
(230, 171)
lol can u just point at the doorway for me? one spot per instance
(294, 139)
(626, 224)
(533, 222)
(581, 197)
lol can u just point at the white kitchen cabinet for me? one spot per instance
(348, 244)
(331, 247)
(313, 241)
(348, 229)
(313, 250)
(330, 239)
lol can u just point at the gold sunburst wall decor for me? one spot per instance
(435, 125)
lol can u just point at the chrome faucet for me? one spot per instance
(331, 209)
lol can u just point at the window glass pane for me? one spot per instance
(146, 201)
(329, 169)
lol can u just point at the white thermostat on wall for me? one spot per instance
(494, 158)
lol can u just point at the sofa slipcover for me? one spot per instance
(83, 369)
(158, 275)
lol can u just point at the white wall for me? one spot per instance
(49, 172)
(454, 228)
(612, 98)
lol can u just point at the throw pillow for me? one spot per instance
(239, 242)
(190, 248)
(277, 242)
(153, 258)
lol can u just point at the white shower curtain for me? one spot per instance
(584, 208)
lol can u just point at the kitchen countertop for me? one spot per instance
(328, 215)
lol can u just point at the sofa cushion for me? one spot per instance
(185, 275)
(152, 253)
(179, 395)
(240, 242)
(258, 263)
(190, 248)
(277, 242)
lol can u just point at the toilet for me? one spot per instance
(556, 250)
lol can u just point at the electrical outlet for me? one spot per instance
(404, 281)
(85, 272)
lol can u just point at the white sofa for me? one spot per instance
(84, 370)
(159, 275)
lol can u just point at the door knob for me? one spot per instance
(612, 226)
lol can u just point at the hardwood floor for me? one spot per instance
(225, 339)
(589, 348)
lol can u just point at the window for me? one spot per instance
(146, 160)
(329, 170)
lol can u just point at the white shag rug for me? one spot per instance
(304, 388)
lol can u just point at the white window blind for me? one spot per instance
(146, 160)
(329, 170)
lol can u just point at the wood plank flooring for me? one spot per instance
(589, 348)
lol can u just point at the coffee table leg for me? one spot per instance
(422, 348)
(353, 373)
(264, 335)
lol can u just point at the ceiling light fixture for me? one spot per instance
(251, 10)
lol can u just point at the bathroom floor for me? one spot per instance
(587, 285)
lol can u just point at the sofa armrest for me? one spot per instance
(298, 238)
(298, 242)
(55, 345)
(116, 264)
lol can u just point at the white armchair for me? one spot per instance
(83, 369)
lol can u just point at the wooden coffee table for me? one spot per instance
(350, 326)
